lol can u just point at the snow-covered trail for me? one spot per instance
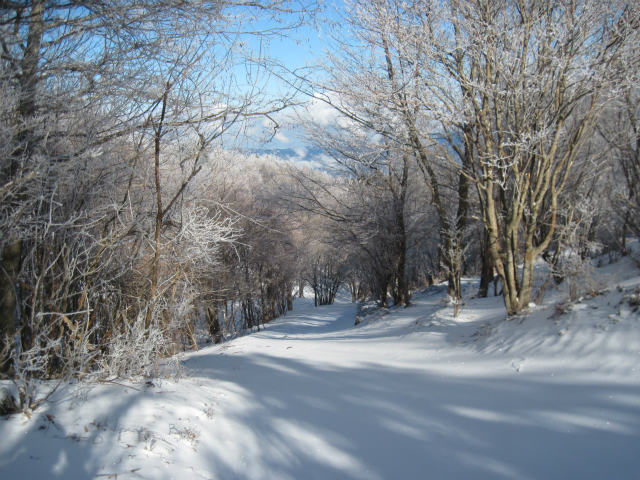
(314, 397)
(412, 394)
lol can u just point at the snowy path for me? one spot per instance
(409, 395)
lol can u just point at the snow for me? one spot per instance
(408, 393)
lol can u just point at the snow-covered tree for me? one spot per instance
(515, 88)
(108, 111)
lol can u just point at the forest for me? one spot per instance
(466, 138)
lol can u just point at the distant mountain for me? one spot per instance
(301, 153)
(310, 156)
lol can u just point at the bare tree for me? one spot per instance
(109, 110)
(619, 127)
(373, 83)
(530, 79)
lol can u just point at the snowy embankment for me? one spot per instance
(409, 393)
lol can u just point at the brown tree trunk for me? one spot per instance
(10, 267)
(214, 323)
(486, 273)
(29, 64)
(159, 211)
(403, 285)
(289, 300)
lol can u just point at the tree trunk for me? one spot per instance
(29, 66)
(456, 259)
(289, 300)
(354, 291)
(401, 271)
(10, 267)
(486, 274)
(159, 211)
(214, 323)
(402, 286)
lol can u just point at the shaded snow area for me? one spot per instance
(407, 394)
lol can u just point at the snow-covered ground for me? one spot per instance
(409, 393)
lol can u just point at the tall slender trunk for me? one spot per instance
(289, 299)
(153, 290)
(486, 273)
(29, 65)
(403, 285)
(9, 269)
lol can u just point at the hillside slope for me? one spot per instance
(408, 393)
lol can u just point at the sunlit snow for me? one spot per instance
(408, 393)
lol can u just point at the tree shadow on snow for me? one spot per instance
(381, 422)
(289, 419)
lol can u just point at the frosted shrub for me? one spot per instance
(203, 231)
(133, 351)
(43, 353)
(580, 276)
(28, 365)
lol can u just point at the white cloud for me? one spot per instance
(321, 113)
(281, 137)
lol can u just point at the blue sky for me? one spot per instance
(309, 41)
(304, 46)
